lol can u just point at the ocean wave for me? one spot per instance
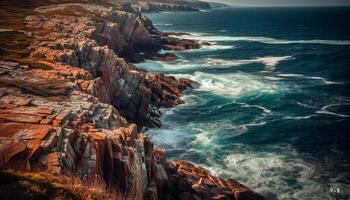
(324, 110)
(270, 62)
(208, 132)
(170, 137)
(290, 75)
(265, 110)
(214, 47)
(305, 105)
(166, 24)
(270, 172)
(299, 117)
(233, 85)
(325, 81)
(265, 40)
(152, 65)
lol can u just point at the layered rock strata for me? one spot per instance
(172, 5)
(71, 104)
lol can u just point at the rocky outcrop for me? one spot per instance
(71, 104)
(190, 182)
(72, 132)
(96, 42)
(172, 5)
(50, 125)
(162, 7)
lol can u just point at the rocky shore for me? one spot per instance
(72, 103)
(171, 5)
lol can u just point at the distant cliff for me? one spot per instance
(71, 103)
(172, 5)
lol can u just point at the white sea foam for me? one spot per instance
(324, 110)
(271, 171)
(290, 75)
(207, 132)
(168, 66)
(323, 80)
(234, 85)
(265, 40)
(165, 24)
(265, 110)
(305, 105)
(214, 47)
(299, 117)
(272, 78)
(270, 62)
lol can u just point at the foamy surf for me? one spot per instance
(265, 40)
(213, 47)
(325, 110)
(235, 85)
(269, 171)
(165, 24)
(265, 110)
(270, 62)
(299, 117)
(264, 113)
(323, 80)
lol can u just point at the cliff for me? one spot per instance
(172, 5)
(71, 104)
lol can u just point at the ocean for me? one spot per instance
(273, 107)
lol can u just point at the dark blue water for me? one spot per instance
(273, 108)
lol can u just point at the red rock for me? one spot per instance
(13, 117)
(8, 106)
(203, 185)
(70, 106)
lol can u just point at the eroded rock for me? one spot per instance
(75, 106)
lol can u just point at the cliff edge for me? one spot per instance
(71, 103)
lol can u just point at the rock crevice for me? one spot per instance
(74, 105)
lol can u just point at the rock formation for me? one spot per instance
(70, 103)
(172, 5)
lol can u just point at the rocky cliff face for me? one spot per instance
(71, 104)
(172, 5)
(162, 7)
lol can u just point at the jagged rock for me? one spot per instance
(161, 7)
(70, 104)
(162, 57)
(187, 181)
(94, 45)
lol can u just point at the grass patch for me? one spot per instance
(37, 186)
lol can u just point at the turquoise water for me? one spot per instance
(273, 108)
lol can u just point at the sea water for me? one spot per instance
(273, 106)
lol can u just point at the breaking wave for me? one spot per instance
(265, 40)
(270, 62)
(235, 85)
(323, 80)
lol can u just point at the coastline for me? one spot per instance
(69, 105)
(242, 121)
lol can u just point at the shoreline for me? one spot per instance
(74, 105)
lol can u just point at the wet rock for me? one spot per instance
(191, 182)
(162, 57)
(75, 106)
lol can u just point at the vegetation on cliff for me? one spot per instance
(41, 185)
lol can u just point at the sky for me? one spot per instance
(285, 2)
